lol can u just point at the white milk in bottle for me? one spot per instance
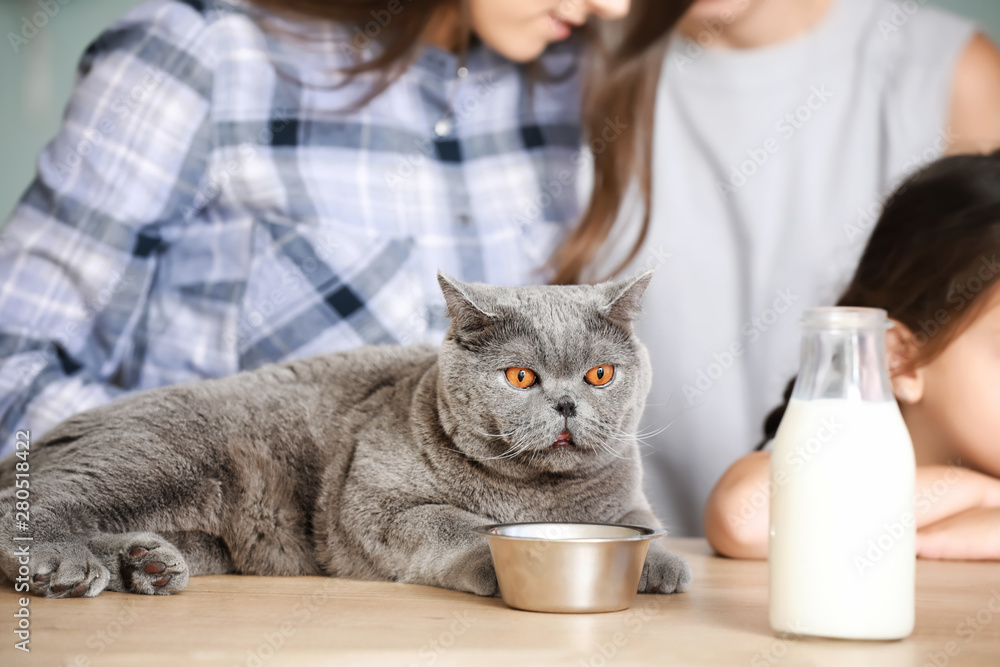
(842, 529)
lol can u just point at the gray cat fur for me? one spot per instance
(374, 463)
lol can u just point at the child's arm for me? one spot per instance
(957, 511)
(958, 514)
(971, 535)
(736, 516)
(944, 491)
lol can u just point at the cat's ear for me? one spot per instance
(466, 307)
(623, 298)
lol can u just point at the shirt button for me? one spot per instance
(442, 128)
(462, 72)
(464, 219)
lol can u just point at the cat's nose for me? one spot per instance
(566, 406)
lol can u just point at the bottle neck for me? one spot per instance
(845, 363)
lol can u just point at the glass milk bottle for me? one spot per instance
(842, 527)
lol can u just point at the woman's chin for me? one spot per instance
(714, 10)
(518, 50)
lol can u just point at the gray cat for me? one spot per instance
(375, 463)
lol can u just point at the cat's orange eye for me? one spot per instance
(522, 378)
(600, 375)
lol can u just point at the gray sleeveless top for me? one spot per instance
(770, 166)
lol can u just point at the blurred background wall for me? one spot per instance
(38, 78)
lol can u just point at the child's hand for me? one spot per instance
(958, 514)
(970, 535)
(957, 511)
(945, 491)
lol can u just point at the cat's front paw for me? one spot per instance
(66, 570)
(664, 572)
(477, 574)
(142, 563)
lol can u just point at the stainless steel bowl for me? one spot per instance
(568, 567)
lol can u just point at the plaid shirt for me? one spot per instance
(210, 206)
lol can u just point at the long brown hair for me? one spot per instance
(931, 258)
(394, 27)
(621, 84)
(622, 72)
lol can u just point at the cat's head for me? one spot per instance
(550, 376)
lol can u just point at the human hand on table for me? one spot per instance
(958, 514)
(957, 511)
(970, 535)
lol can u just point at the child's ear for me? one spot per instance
(901, 346)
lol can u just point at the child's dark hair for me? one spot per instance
(931, 257)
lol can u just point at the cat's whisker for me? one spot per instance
(641, 435)
(515, 449)
(629, 441)
(641, 442)
(637, 437)
(605, 445)
(519, 447)
(607, 448)
(652, 432)
(495, 435)
(618, 434)
(531, 459)
(509, 454)
(650, 404)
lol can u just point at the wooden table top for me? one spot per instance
(273, 621)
